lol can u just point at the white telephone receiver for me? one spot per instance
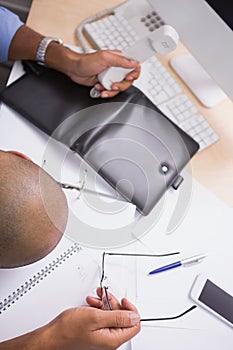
(162, 41)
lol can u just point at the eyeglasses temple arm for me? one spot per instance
(169, 318)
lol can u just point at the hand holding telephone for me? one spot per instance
(135, 28)
(213, 298)
(161, 41)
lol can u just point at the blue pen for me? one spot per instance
(184, 262)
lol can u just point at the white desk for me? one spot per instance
(205, 227)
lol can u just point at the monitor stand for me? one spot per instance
(197, 80)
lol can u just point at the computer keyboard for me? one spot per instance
(114, 32)
(163, 90)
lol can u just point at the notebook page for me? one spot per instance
(61, 280)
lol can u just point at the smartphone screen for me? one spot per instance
(218, 300)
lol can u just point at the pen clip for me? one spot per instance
(193, 260)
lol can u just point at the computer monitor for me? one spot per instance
(205, 34)
(223, 9)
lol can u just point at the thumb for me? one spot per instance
(118, 319)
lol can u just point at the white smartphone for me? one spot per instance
(213, 298)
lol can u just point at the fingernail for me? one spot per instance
(115, 88)
(104, 94)
(134, 318)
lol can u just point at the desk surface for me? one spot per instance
(207, 223)
(212, 167)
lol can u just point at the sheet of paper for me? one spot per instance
(206, 228)
(164, 338)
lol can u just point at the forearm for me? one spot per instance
(35, 340)
(24, 44)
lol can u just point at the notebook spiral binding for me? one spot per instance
(37, 278)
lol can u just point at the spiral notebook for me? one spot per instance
(33, 295)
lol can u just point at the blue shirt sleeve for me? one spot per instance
(9, 24)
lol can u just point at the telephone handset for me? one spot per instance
(162, 41)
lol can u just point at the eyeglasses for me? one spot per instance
(104, 288)
(79, 188)
(82, 187)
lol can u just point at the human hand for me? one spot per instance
(90, 65)
(83, 328)
(84, 68)
(88, 328)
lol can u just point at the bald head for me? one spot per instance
(33, 211)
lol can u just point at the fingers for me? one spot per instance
(116, 305)
(97, 302)
(119, 86)
(126, 305)
(119, 326)
(94, 302)
(116, 88)
(118, 319)
(115, 59)
(113, 300)
(114, 327)
(128, 80)
(116, 91)
(134, 74)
